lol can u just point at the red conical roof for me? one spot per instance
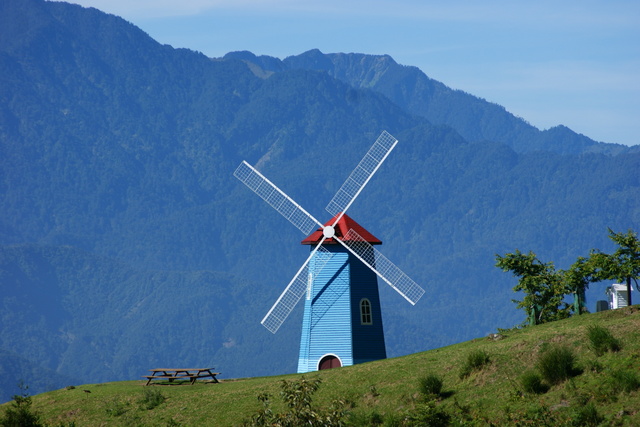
(343, 226)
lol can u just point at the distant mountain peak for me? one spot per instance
(476, 119)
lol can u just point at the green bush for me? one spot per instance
(476, 360)
(428, 414)
(532, 383)
(20, 413)
(430, 385)
(602, 340)
(297, 397)
(557, 364)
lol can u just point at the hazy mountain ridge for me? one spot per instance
(474, 118)
(118, 209)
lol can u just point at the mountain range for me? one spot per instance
(126, 243)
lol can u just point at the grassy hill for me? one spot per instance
(602, 387)
(117, 196)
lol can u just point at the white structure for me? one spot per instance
(618, 296)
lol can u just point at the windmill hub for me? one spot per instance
(328, 231)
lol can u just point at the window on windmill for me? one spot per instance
(365, 312)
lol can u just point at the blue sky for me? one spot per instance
(575, 63)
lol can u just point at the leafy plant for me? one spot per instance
(542, 286)
(624, 264)
(602, 340)
(428, 414)
(19, 414)
(476, 360)
(264, 416)
(297, 396)
(431, 385)
(557, 364)
(576, 280)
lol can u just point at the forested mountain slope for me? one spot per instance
(127, 243)
(474, 118)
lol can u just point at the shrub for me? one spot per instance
(297, 397)
(430, 385)
(20, 414)
(557, 364)
(428, 414)
(475, 361)
(602, 340)
(532, 383)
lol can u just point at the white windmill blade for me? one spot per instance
(384, 268)
(299, 285)
(271, 194)
(361, 174)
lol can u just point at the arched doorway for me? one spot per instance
(328, 362)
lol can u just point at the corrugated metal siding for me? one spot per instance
(368, 340)
(332, 323)
(327, 318)
(303, 358)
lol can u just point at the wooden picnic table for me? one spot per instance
(170, 375)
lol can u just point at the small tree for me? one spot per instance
(297, 396)
(624, 264)
(19, 414)
(576, 280)
(542, 285)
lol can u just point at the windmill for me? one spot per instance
(342, 322)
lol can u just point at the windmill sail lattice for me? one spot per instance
(362, 174)
(306, 223)
(298, 287)
(271, 194)
(384, 268)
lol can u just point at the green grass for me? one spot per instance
(602, 340)
(532, 383)
(557, 364)
(624, 380)
(430, 385)
(476, 360)
(388, 391)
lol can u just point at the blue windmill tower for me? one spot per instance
(342, 323)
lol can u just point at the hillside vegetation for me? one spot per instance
(603, 387)
(126, 242)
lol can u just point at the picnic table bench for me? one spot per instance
(168, 376)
